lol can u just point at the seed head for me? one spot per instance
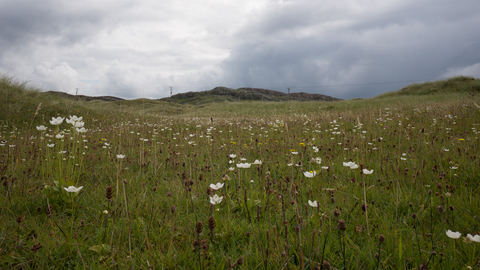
(326, 265)
(342, 225)
(109, 193)
(381, 238)
(199, 227)
(211, 223)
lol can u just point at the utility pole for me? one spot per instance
(171, 90)
(76, 93)
(288, 90)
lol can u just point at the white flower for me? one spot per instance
(257, 162)
(233, 156)
(310, 174)
(354, 166)
(454, 235)
(289, 164)
(216, 186)
(243, 159)
(294, 153)
(231, 161)
(349, 164)
(81, 130)
(243, 165)
(57, 121)
(325, 167)
(78, 124)
(402, 158)
(453, 168)
(215, 199)
(73, 189)
(318, 160)
(365, 171)
(446, 150)
(59, 136)
(471, 238)
(51, 145)
(41, 128)
(313, 204)
(75, 118)
(231, 168)
(105, 212)
(120, 156)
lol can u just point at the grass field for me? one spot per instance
(355, 184)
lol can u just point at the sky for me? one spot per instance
(144, 48)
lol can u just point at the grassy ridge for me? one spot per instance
(149, 177)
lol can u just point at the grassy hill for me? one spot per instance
(219, 94)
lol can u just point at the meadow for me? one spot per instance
(390, 182)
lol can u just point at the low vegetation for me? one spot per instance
(384, 183)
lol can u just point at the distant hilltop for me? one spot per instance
(221, 93)
(218, 94)
(86, 98)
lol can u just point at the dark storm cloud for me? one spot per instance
(303, 44)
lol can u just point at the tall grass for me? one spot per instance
(146, 176)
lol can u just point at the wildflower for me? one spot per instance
(257, 162)
(310, 174)
(461, 140)
(454, 235)
(301, 144)
(243, 165)
(105, 212)
(294, 153)
(51, 145)
(313, 204)
(231, 168)
(216, 186)
(57, 121)
(120, 156)
(81, 130)
(233, 156)
(78, 124)
(471, 238)
(325, 167)
(59, 136)
(318, 160)
(41, 128)
(215, 199)
(73, 189)
(365, 171)
(453, 168)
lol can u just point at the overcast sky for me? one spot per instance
(140, 48)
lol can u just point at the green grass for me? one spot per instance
(423, 150)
